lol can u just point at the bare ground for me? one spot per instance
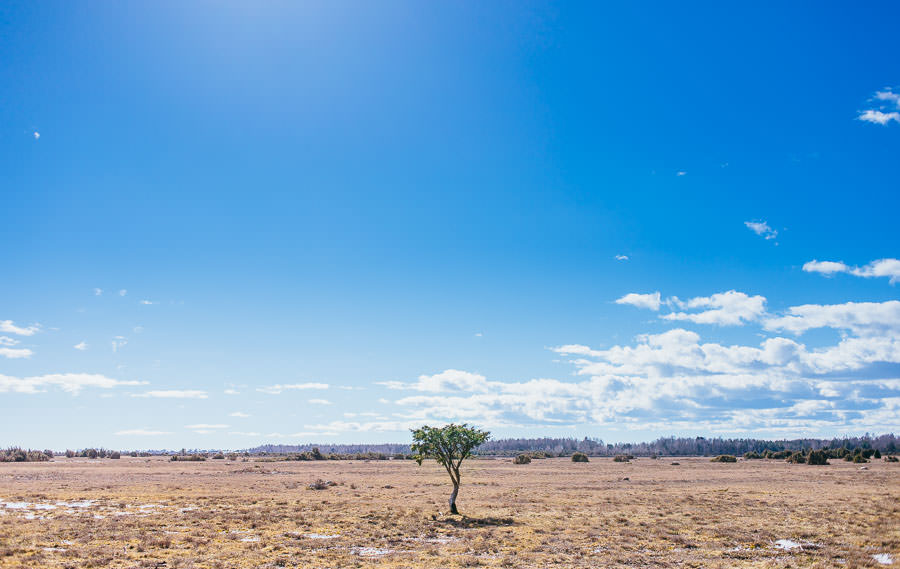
(138, 512)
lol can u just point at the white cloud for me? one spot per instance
(319, 401)
(118, 342)
(878, 117)
(141, 433)
(7, 341)
(889, 268)
(731, 308)
(762, 229)
(888, 95)
(862, 318)
(37, 135)
(448, 380)
(123, 292)
(676, 381)
(681, 173)
(278, 388)
(98, 291)
(621, 257)
(16, 353)
(9, 327)
(244, 433)
(148, 302)
(239, 414)
(232, 392)
(825, 267)
(69, 382)
(651, 301)
(174, 394)
(205, 426)
(81, 346)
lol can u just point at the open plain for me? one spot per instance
(150, 512)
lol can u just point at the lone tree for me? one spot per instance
(449, 446)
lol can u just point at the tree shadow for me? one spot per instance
(465, 522)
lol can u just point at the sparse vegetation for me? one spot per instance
(222, 515)
(579, 457)
(623, 458)
(522, 459)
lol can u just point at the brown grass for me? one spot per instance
(554, 513)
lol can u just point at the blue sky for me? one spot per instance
(231, 224)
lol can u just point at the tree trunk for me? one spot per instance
(453, 495)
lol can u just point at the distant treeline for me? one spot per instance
(386, 449)
(669, 446)
(683, 446)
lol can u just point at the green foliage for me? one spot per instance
(859, 459)
(522, 459)
(579, 457)
(724, 458)
(817, 457)
(891, 459)
(796, 458)
(449, 446)
(623, 457)
(876, 454)
(752, 455)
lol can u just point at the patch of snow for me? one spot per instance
(371, 551)
(787, 544)
(883, 558)
(321, 536)
(251, 539)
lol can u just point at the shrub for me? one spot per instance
(817, 457)
(891, 459)
(522, 459)
(724, 458)
(780, 455)
(321, 484)
(796, 458)
(859, 459)
(876, 454)
(579, 457)
(752, 455)
(187, 458)
(218, 456)
(16, 454)
(622, 457)
(70, 454)
(115, 454)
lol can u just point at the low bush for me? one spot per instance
(752, 455)
(322, 484)
(187, 458)
(522, 459)
(817, 457)
(796, 458)
(218, 456)
(859, 459)
(115, 454)
(724, 458)
(622, 457)
(579, 457)
(16, 454)
(891, 459)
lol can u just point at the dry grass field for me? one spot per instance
(139, 512)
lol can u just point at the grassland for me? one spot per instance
(149, 512)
